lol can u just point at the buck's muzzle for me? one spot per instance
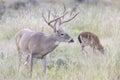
(71, 40)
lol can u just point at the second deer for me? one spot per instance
(90, 39)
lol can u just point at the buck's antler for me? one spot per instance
(64, 21)
(49, 22)
(61, 21)
(58, 19)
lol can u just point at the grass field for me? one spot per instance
(102, 20)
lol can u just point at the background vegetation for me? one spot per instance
(101, 17)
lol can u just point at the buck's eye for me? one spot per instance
(62, 34)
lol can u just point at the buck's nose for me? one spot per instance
(71, 40)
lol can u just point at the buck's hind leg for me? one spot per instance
(19, 60)
(31, 64)
(27, 62)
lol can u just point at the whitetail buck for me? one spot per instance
(36, 45)
(90, 39)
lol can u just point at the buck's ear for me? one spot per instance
(56, 28)
(57, 31)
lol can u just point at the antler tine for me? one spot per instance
(58, 18)
(47, 21)
(70, 18)
(54, 13)
(71, 12)
(64, 8)
(44, 18)
(60, 21)
(54, 20)
(48, 15)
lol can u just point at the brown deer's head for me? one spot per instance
(101, 49)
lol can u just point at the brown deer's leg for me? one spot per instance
(94, 50)
(84, 51)
(82, 48)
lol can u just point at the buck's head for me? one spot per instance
(62, 36)
(56, 25)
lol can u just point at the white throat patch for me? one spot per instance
(57, 43)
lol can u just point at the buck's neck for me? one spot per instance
(54, 39)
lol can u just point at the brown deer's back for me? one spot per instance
(89, 37)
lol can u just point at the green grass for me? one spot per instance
(101, 20)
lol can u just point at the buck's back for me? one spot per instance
(22, 39)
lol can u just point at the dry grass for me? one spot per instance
(101, 20)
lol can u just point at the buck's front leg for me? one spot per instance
(43, 61)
